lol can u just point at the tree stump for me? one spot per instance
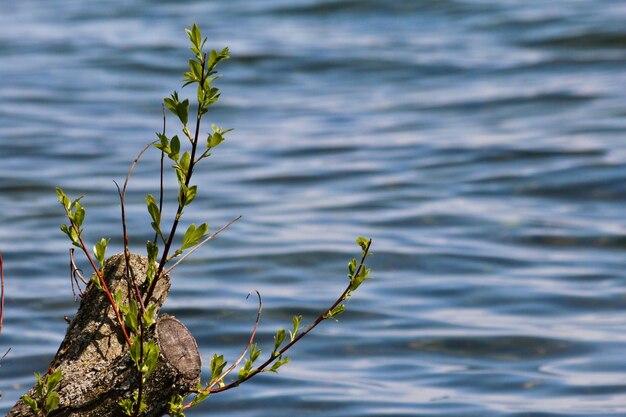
(97, 369)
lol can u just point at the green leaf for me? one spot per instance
(363, 242)
(130, 317)
(254, 353)
(155, 213)
(182, 168)
(201, 395)
(135, 350)
(149, 315)
(182, 110)
(357, 280)
(194, 36)
(351, 268)
(153, 251)
(40, 386)
(151, 357)
(193, 235)
(335, 311)
(172, 102)
(215, 139)
(74, 237)
(245, 370)
(280, 362)
(31, 403)
(163, 144)
(63, 198)
(79, 214)
(117, 298)
(190, 194)
(99, 250)
(53, 380)
(174, 148)
(51, 402)
(65, 229)
(215, 58)
(196, 70)
(279, 338)
(96, 282)
(176, 406)
(217, 366)
(296, 325)
(127, 405)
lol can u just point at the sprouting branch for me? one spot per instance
(179, 211)
(211, 237)
(317, 321)
(204, 392)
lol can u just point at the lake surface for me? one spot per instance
(481, 144)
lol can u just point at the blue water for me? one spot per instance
(479, 143)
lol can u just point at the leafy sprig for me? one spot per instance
(136, 312)
(46, 397)
(277, 358)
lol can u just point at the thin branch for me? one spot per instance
(130, 275)
(2, 296)
(239, 359)
(211, 237)
(75, 275)
(105, 287)
(317, 321)
(243, 354)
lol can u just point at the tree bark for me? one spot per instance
(97, 369)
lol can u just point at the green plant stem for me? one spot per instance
(140, 379)
(161, 177)
(179, 211)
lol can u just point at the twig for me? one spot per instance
(105, 287)
(317, 321)
(167, 271)
(75, 275)
(239, 359)
(2, 297)
(243, 354)
(122, 193)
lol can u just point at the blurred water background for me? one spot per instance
(479, 143)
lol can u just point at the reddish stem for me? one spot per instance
(317, 321)
(105, 287)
